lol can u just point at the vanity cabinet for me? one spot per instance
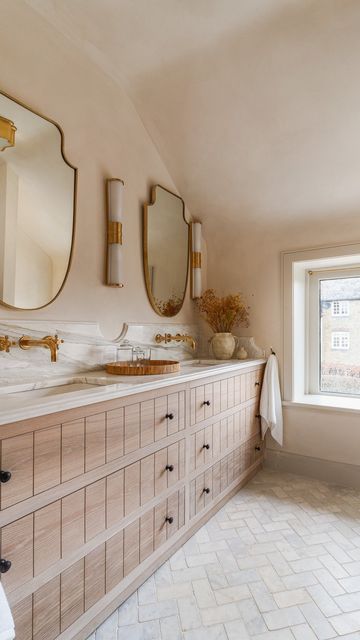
(101, 495)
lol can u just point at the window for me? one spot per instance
(340, 340)
(321, 297)
(333, 354)
(340, 308)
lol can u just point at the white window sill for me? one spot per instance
(324, 402)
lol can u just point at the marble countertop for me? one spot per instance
(58, 393)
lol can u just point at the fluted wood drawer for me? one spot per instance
(253, 383)
(42, 459)
(207, 486)
(40, 539)
(208, 443)
(210, 399)
(54, 607)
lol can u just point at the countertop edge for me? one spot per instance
(113, 391)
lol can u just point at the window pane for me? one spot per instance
(340, 335)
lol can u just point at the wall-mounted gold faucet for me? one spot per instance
(167, 337)
(6, 343)
(49, 342)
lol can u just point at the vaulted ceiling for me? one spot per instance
(254, 105)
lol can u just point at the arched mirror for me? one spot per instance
(37, 207)
(166, 251)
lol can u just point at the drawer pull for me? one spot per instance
(257, 448)
(170, 416)
(169, 467)
(257, 384)
(5, 476)
(169, 519)
(207, 402)
(257, 415)
(206, 446)
(206, 490)
(5, 565)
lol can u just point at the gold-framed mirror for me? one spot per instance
(166, 244)
(37, 207)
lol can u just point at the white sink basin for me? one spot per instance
(52, 391)
(204, 363)
(46, 388)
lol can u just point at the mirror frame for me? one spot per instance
(71, 254)
(145, 248)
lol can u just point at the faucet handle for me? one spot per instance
(58, 341)
(6, 343)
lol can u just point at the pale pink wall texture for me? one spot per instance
(250, 261)
(104, 137)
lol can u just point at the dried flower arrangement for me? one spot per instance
(223, 314)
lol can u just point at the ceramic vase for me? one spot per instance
(223, 345)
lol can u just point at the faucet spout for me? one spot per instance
(49, 342)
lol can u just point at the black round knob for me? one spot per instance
(207, 402)
(169, 519)
(5, 476)
(4, 565)
(207, 490)
(170, 416)
(257, 384)
(257, 415)
(169, 467)
(206, 446)
(257, 448)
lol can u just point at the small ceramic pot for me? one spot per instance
(242, 354)
(223, 345)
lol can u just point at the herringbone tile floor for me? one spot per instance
(280, 561)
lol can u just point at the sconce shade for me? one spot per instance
(7, 133)
(196, 288)
(115, 259)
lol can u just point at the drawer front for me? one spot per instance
(253, 384)
(254, 451)
(207, 486)
(215, 397)
(252, 420)
(17, 457)
(169, 517)
(208, 443)
(202, 446)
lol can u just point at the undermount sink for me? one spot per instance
(48, 388)
(52, 391)
(203, 363)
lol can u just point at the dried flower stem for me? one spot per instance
(223, 314)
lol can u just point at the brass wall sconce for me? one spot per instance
(115, 261)
(196, 284)
(7, 133)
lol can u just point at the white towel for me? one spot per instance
(270, 401)
(7, 630)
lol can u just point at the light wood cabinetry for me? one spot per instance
(100, 495)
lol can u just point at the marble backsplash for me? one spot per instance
(84, 347)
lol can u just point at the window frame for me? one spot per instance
(294, 264)
(313, 348)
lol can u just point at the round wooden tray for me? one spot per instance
(144, 368)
